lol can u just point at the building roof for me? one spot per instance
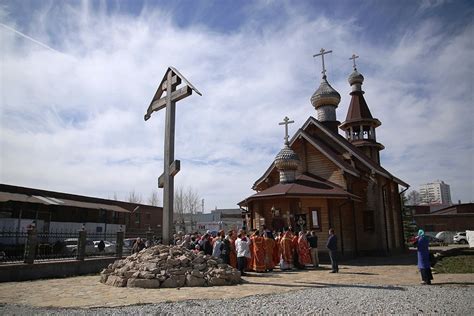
(324, 149)
(456, 209)
(38, 196)
(305, 185)
(47, 200)
(356, 152)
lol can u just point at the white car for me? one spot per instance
(460, 238)
(71, 246)
(109, 246)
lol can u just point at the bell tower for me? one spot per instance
(359, 125)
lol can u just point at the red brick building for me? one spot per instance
(20, 205)
(459, 217)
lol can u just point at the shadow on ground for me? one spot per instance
(303, 284)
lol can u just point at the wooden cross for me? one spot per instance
(285, 122)
(354, 60)
(170, 81)
(322, 53)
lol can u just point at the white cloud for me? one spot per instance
(73, 122)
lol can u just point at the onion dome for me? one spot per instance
(287, 159)
(325, 95)
(355, 77)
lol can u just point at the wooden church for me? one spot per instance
(321, 179)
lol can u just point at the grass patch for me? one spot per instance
(456, 264)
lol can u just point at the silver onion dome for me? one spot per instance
(325, 95)
(287, 159)
(355, 77)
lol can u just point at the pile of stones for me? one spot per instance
(169, 267)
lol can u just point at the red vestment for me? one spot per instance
(270, 251)
(233, 254)
(304, 256)
(258, 253)
(286, 248)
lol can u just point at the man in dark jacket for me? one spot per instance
(332, 247)
(313, 243)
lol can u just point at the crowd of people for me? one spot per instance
(261, 250)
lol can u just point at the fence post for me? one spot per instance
(119, 245)
(30, 246)
(149, 236)
(81, 244)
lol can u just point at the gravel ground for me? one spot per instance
(344, 299)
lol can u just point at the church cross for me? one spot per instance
(285, 122)
(353, 58)
(322, 53)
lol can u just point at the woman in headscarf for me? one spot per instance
(304, 256)
(424, 258)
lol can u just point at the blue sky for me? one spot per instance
(77, 77)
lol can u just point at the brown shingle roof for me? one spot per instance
(305, 185)
(358, 109)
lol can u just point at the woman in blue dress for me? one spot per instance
(424, 258)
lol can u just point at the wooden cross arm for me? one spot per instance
(174, 169)
(161, 103)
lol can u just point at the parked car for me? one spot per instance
(433, 240)
(128, 245)
(460, 238)
(71, 246)
(109, 246)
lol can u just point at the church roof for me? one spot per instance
(305, 185)
(331, 154)
(354, 151)
(358, 109)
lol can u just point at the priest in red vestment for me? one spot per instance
(270, 251)
(286, 251)
(304, 251)
(258, 252)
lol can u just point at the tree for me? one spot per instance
(186, 201)
(134, 197)
(409, 225)
(153, 199)
(413, 198)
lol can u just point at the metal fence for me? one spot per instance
(55, 245)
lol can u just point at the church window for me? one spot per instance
(315, 219)
(369, 221)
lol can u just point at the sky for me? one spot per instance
(76, 78)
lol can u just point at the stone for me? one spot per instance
(180, 280)
(115, 280)
(103, 278)
(129, 274)
(143, 283)
(169, 267)
(215, 281)
(194, 281)
(198, 260)
(184, 260)
(173, 262)
(169, 283)
(200, 267)
(197, 273)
